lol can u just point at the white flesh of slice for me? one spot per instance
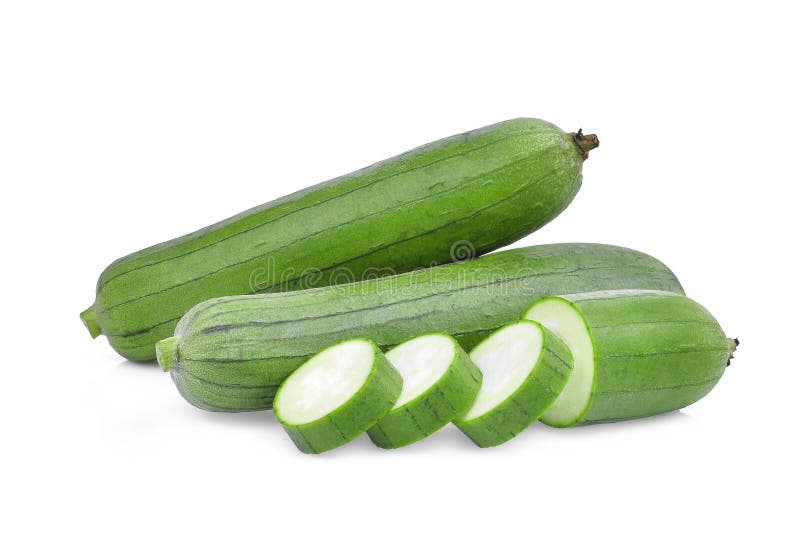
(325, 382)
(421, 362)
(568, 325)
(505, 358)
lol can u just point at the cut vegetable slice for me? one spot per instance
(524, 369)
(637, 353)
(439, 382)
(336, 395)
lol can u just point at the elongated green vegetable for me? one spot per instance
(636, 352)
(337, 395)
(439, 383)
(232, 353)
(451, 199)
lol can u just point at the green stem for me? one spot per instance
(89, 318)
(167, 352)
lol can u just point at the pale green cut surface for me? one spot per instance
(566, 322)
(505, 358)
(325, 382)
(421, 362)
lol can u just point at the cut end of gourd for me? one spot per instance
(167, 352)
(561, 317)
(585, 142)
(89, 318)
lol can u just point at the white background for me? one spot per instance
(123, 124)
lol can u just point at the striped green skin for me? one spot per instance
(529, 401)
(230, 354)
(453, 393)
(654, 352)
(372, 401)
(488, 187)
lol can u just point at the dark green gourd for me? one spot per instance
(451, 199)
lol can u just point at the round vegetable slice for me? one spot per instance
(337, 395)
(439, 382)
(637, 353)
(524, 369)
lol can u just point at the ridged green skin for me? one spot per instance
(487, 187)
(525, 405)
(453, 393)
(653, 353)
(231, 354)
(374, 400)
